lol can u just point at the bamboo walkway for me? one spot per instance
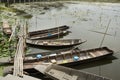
(18, 59)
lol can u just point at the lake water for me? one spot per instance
(87, 20)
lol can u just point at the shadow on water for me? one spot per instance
(37, 74)
(107, 60)
(47, 47)
(91, 64)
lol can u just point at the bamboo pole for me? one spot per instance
(15, 61)
(14, 1)
(103, 41)
(19, 1)
(58, 33)
(36, 21)
(105, 33)
(8, 3)
(29, 1)
(24, 1)
(13, 32)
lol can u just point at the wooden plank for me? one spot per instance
(92, 54)
(25, 77)
(18, 60)
(99, 52)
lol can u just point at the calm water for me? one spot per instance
(88, 21)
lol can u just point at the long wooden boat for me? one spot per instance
(6, 28)
(68, 57)
(56, 43)
(64, 27)
(7, 60)
(48, 34)
(57, 72)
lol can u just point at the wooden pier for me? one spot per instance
(18, 59)
(12, 77)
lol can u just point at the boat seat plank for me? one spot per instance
(74, 77)
(61, 75)
(93, 55)
(56, 73)
(66, 52)
(66, 77)
(99, 52)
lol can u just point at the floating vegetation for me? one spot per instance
(15, 12)
(38, 8)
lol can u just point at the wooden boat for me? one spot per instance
(57, 72)
(68, 57)
(56, 43)
(6, 28)
(64, 27)
(48, 34)
(6, 61)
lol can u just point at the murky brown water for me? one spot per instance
(88, 21)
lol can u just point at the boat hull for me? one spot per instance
(64, 27)
(64, 43)
(56, 35)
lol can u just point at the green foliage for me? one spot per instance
(17, 11)
(27, 16)
(1, 70)
(6, 47)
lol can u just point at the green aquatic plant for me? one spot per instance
(28, 16)
(6, 47)
(1, 70)
(17, 12)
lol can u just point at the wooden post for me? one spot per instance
(58, 33)
(19, 1)
(29, 1)
(14, 1)
(36, 21)
(24, 1)
(7, 3)
(26, 29)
